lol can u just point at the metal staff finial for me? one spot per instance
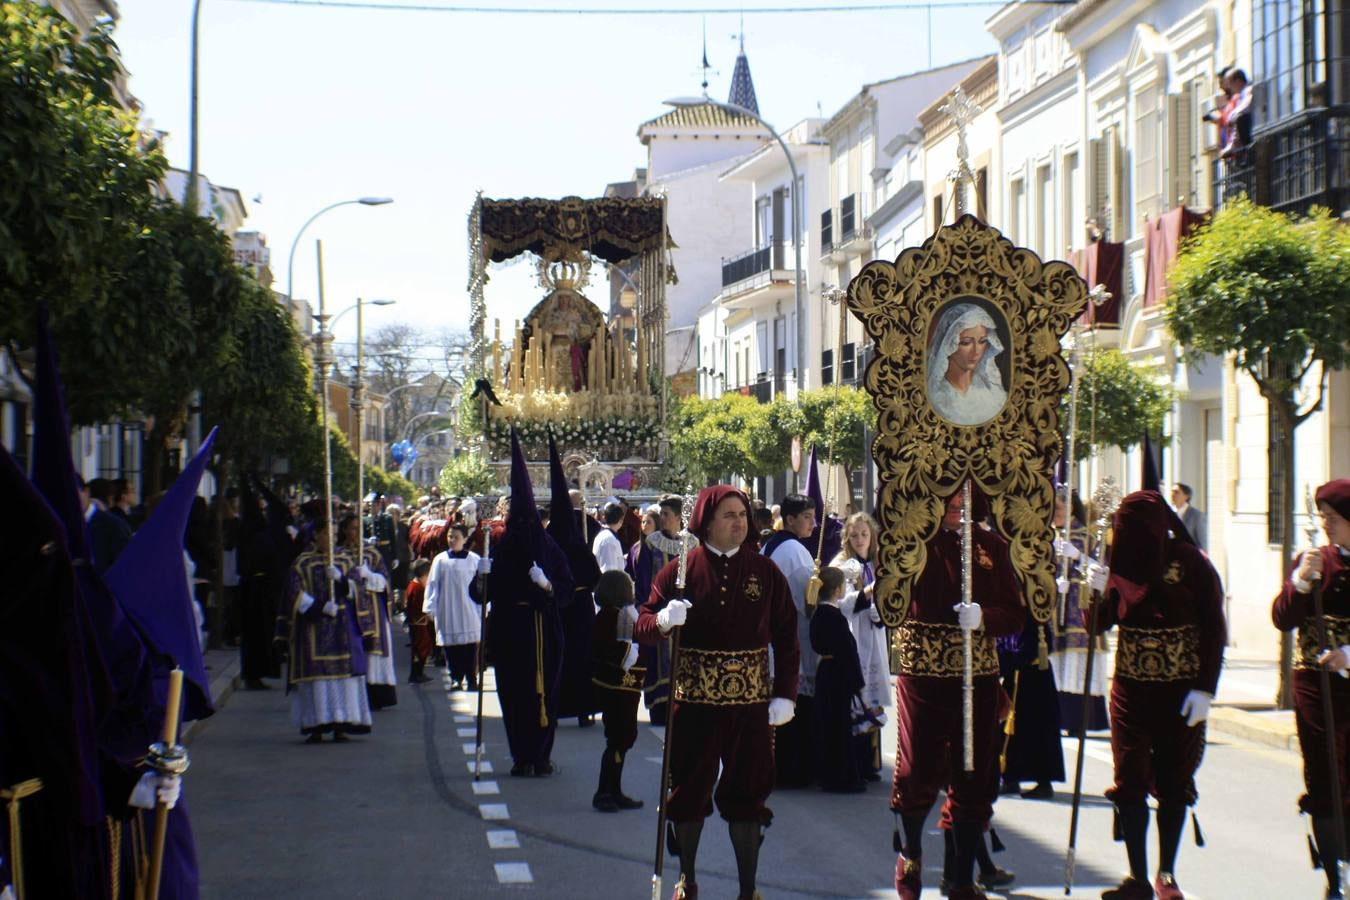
(963, 112)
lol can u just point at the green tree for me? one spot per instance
(1274, 293)
(833, 419)
(1127, 403)
(390, 483)
(76, 176)
(259, 390)
(467, 475)
(710, 436)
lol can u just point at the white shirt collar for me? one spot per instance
(724, 553)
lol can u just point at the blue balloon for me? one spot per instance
(396, 451)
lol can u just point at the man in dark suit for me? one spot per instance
(1192, 518)
(108, 534)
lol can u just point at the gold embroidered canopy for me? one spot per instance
(967, 378)
(612, 228)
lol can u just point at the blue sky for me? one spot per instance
(309, 105)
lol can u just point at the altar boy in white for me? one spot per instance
(458, 619)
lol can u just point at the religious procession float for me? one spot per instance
(593, 379)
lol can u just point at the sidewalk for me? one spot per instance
(1245, 705)
(222, 667)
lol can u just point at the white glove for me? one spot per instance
(306, 601)
(781, 711)
(395, 565)
(362, 571)
(673, 615)
(484, 566)
(874, 614)
(1067, 549)
(154, 788)
(330, 608)
(630, 657)
(539, 578)
(293, 531)
(1062, 585)
(1195, 708)
(969, 615)
(375, 582)
(334, 573)
(1097, 574)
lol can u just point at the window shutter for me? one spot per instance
(1099, 194)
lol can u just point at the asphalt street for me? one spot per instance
(398, 814)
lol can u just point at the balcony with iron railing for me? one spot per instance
(1292, 165)
(760, 261)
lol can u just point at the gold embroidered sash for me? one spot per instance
(723, 677)
(937, 650)
(1158, 654)
(1309, 646)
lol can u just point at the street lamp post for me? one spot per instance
(358, 404)
(684, 102)
(290, 260)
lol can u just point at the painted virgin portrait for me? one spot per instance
(967, 361)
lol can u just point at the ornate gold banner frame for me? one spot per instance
(955, 403)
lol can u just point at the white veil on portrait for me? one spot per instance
(986, 395)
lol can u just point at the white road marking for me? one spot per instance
(513, 873)
(505, 839)
(470, 748)
(461, 718)
(493, 811)
(486, 769)
(1093, 750)
(486, 787)
(466, 732)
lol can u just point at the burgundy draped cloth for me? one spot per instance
(1102, 263)
(1162, 239)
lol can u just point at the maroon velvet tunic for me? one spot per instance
(1294, 610)
(930, 748)
(1172, 636)
(741, 607)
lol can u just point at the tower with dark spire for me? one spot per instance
(742, 86)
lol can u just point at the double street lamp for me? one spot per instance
(797, 185)
(322, 352)
(357, 400)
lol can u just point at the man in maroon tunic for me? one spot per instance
(735, 605)
(1167, 600)
(1294, 609)
(930, 745)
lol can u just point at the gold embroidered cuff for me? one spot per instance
(1309, 647)
(609, 675)
(723, 677)
(1158, 654)
(938, 651)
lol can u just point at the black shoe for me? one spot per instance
(605, 803)
(315, 738)
(872, 776)
(256, 684)
(996, 879)
(340, 737)
(1042, 791)
(1009, 788)
(522, 769)
(585, 721)
(418, 679)
(626, 802)
(545, 769)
